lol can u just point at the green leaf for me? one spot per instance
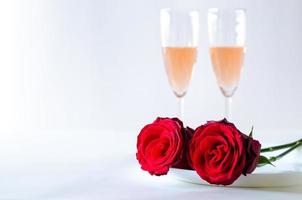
(251, 133)
(264, 161)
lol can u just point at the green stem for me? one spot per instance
(283, 146)
(275, 158)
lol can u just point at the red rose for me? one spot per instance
(160, 145)
(252, 155)
(184, 160)
(220, 153)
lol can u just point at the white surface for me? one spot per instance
(266, 176)
(85, 165)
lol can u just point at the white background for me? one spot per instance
(78, 79)
(98, 65)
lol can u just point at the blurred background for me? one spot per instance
(97, 65)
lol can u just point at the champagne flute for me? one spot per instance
(179, 38)
(227, 30)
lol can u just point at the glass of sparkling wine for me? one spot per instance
(179, 38)
(227, 30)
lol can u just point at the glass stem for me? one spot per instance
(228, 108)
(180, 108)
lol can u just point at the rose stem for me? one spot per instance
(274, 158)
(283, 146)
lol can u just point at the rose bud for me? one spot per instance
(220, 153)
(160, 145)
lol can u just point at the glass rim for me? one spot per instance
(180, 10)
(216, 10)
